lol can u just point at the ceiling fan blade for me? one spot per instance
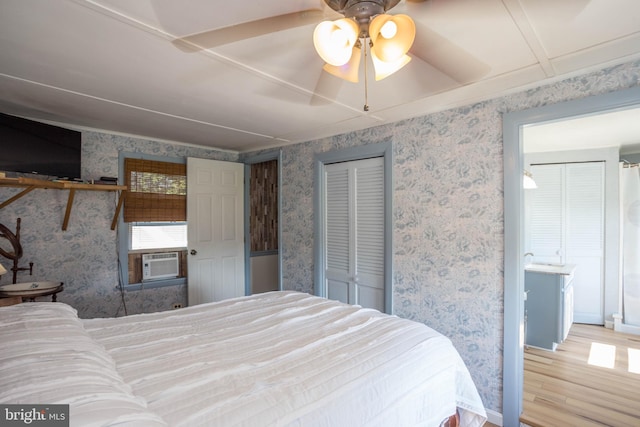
(447, 57)
(326, 90)
(247, 30)
(572, 8)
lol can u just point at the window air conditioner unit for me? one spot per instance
(160, 266)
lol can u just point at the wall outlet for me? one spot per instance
(176, 305)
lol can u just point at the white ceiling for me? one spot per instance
(123, 66)
(620, 129)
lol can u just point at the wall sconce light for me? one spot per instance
(527, 181)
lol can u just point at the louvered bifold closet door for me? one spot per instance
(338, 271)
(370, 233)
(585, 238)
(546, 214)
(566, 226)
(354, 235)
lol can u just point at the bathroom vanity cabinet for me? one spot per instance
(549, 304)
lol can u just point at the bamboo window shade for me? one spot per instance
(157, 191)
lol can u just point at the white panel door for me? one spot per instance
(215, 230)
(565, 225)
(354, 240)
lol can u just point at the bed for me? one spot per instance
(273, 359)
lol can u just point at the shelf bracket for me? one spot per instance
(114, 221)
(17, 196)
(67, 213)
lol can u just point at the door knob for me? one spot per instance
(193, 252)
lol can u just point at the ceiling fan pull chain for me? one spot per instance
(366, 91)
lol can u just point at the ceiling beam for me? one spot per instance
(523, 23)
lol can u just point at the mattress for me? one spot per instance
(274, 359)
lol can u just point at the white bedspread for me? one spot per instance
(46, 357)
(289, 359)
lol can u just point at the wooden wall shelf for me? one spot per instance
(30, 184)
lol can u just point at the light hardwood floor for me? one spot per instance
(562, 388)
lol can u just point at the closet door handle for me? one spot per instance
(193, 252)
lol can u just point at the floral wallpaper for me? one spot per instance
(448, 232)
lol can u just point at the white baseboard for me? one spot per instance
(494, 417)
(621, 327)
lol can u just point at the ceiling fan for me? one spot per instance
(357, 24)
(340, 43)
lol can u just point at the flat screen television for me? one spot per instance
(32, 147)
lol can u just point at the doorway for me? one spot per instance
(513, 124)
(263, 226)
(263, 182)
(565, 224)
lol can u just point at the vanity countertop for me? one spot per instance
(565, 269)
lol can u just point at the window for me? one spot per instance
(153, 216)
(157, 235)
(155, 204)
(157, 191)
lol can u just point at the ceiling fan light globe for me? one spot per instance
(384, 69)
(390, 52)
(348, 71)
(338, 39)
(527, 181)
(334, 40)
(376, 24)
(391, 49)
(389, 29)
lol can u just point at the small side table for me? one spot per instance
(31, 290)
